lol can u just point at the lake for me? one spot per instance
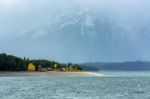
(117, 85)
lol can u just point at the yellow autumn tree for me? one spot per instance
(31, 67)
(55, 66)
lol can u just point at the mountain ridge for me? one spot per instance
(77, 36)
(117, 66)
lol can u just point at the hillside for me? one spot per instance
(120, 66)
(14, 63)
(74, 36)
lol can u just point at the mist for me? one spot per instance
(104, 30)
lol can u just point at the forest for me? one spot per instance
(14, 63)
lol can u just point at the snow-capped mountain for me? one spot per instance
(75, 35)
(84, 23)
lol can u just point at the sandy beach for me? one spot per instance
(51, 73)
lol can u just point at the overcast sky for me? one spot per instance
(19, 16)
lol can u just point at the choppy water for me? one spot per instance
(109, 87)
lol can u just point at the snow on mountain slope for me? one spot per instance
(86, 23)
(77, 35)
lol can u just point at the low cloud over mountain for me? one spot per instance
(79, 32)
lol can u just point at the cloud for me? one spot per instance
(20, 16)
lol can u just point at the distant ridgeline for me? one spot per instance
(13, 63)
(117, 66)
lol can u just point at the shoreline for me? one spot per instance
(51, 73)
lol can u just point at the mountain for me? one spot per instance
(78, 36)
(117, 66)
(82, 24)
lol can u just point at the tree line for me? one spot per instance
(14, 63)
